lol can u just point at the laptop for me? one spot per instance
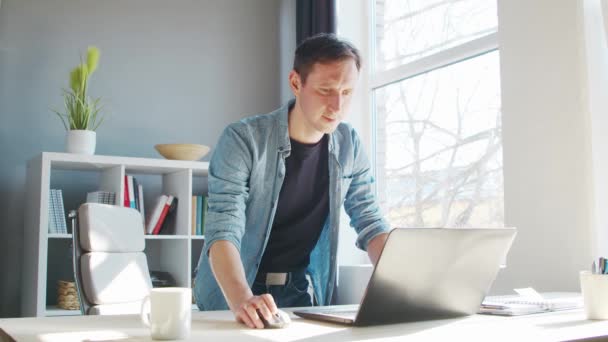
(424, 274)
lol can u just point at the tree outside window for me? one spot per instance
(436, 95)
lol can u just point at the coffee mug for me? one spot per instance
(167, 311)
(595, 294)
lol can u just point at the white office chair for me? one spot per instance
(110, 268)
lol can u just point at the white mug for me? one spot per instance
(595, 294)
(167, 311)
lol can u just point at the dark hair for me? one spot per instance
(323, 48)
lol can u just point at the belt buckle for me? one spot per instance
(276, 278)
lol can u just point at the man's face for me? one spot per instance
(325, 96)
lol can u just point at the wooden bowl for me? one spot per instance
(182, 151)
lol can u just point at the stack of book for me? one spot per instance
(134, 195)
(160, 215)
(199, 212)
(57, 224)
(104, 197)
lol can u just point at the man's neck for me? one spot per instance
(299, 129)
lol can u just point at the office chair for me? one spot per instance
(110, 268)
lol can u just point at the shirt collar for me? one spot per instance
(283, 123)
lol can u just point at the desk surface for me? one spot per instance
(220, 326)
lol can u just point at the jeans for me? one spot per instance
(293, 294)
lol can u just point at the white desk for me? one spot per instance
(220, 326)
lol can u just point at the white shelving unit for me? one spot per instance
(46, 256)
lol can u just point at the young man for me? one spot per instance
(276, 185)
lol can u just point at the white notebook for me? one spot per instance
(522, 305)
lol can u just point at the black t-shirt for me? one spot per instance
(302, 208)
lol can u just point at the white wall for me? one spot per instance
(547, 151)
(596, 42)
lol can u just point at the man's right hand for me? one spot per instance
(247, 310)
(228, 271)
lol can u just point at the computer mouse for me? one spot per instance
(279, 320)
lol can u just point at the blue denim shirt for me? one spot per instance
(246, 173)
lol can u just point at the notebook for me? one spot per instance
(516, 305)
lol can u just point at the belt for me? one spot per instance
(278, 278)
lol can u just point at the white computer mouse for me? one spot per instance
(279, 320)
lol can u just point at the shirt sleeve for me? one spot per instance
(360, 202)
(228, 182)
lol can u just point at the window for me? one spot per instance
(436, 97)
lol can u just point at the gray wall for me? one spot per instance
(170, 71)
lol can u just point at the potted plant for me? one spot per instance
(82, 113)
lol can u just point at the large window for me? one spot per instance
(436, 95)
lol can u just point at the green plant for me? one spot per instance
(81, 111)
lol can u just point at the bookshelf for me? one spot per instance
(46, 257)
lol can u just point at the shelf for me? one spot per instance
(166, 237)
(53, 310)
(150, 237)
(47, 256)
(59, 236)
(71, 161)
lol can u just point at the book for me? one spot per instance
(126, 202)
(204, 214)
(199, 213)
(131, 192)
(60, 212)
(169, 220)
(155, 213)
(136, 193)
(52, 219)
(163, 215)
(103, 197)
(193, 228)
(56, 212)
(54, 206)
(140, 193)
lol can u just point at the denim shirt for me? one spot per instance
(246, 173)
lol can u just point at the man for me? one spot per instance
(276, 185)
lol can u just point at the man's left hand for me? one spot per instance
(374, 248)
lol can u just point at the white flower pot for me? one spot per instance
(80, 141)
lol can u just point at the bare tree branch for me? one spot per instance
(468, 140)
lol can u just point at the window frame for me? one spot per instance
(377, 79)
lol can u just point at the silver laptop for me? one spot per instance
(426, 273)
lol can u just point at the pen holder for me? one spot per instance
(595, 294)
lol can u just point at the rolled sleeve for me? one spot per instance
(227, 235)
(360, 203)
(369, 233)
